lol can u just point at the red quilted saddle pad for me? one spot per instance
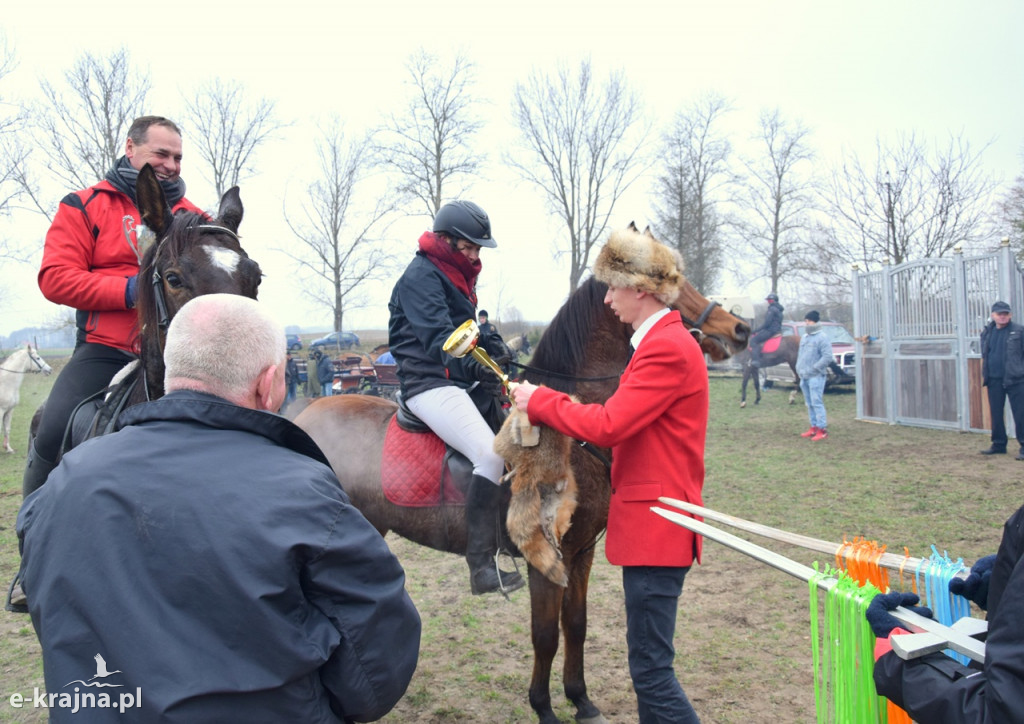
(771, 344)
(413, 473)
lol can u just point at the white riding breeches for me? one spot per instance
(451, 414)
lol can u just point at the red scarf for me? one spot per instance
(460, 271)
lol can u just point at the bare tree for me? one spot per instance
(227, 130)
(11, 119)
(84, 125)
(780, 197)
(583, 143)
(430, 144)
(911, 203)
(687, 189)
(339, 251)
(1011, 216)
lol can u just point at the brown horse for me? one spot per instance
(789, 347)
(583, 351)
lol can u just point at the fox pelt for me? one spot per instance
(543, 492)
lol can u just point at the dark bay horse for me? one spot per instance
(186, 256)
(786, 353)
(583, 351)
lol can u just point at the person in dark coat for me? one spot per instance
(456, 398)
(936, 689)
(291, 379)
(204, 557)
(1002, 369)
(772, 326)
(325, 373)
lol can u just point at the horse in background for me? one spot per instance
(12, 373)
(517, 346)
(584, 352)
(785, 352)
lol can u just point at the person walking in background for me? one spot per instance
(291, 379)
(208, 553)
(812, 363)
(325, 373)
(90, 262)
(655, 424)
(1002, 371)
(456, 398)
(772, 326)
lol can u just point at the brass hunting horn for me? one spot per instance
(463, 341)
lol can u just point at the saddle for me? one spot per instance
(771, 344)
(418, 469)
(97, 414)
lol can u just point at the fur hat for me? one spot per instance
(632, 259)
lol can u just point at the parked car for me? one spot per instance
(294, 342)
(843, 350)
(338, 340)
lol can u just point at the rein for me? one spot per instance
(37, 370)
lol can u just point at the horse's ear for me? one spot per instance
(230, 212)
(153, 207)
(632, 226)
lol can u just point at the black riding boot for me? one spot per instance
(37, 470)
(481, 544)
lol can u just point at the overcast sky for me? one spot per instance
(850, 72)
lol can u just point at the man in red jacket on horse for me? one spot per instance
(90, 262)
(655, 424)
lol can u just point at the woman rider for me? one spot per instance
(436, 294)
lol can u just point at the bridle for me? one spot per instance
(162, 313)
(35, 360)
(695, 326)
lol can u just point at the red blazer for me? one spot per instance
(656, 424)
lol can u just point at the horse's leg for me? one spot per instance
(545, 602)
(743, 387)
(574, 629)
(757, 385)
(7, 430)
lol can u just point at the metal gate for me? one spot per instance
(918, 325)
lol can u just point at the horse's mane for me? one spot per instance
(563, 347)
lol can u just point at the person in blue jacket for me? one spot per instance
(204, 557)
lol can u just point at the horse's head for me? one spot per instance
(189, 256)
(720, 334)
(37, 363)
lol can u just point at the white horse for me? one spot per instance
(12, 372)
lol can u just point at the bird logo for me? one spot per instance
(101, 673)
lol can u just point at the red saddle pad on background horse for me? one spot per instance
(771, 344)
(414, 472)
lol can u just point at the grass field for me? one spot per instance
(743, 631)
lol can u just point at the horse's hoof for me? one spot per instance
(743, 404)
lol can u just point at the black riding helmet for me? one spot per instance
(465, 220)
(773, 296)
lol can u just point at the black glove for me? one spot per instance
(975, 586)
(881, 621)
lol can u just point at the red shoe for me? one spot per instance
(811, 432)
(822, 434)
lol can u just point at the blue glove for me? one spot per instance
(881, 621)
(130, 292)
(975, 586)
